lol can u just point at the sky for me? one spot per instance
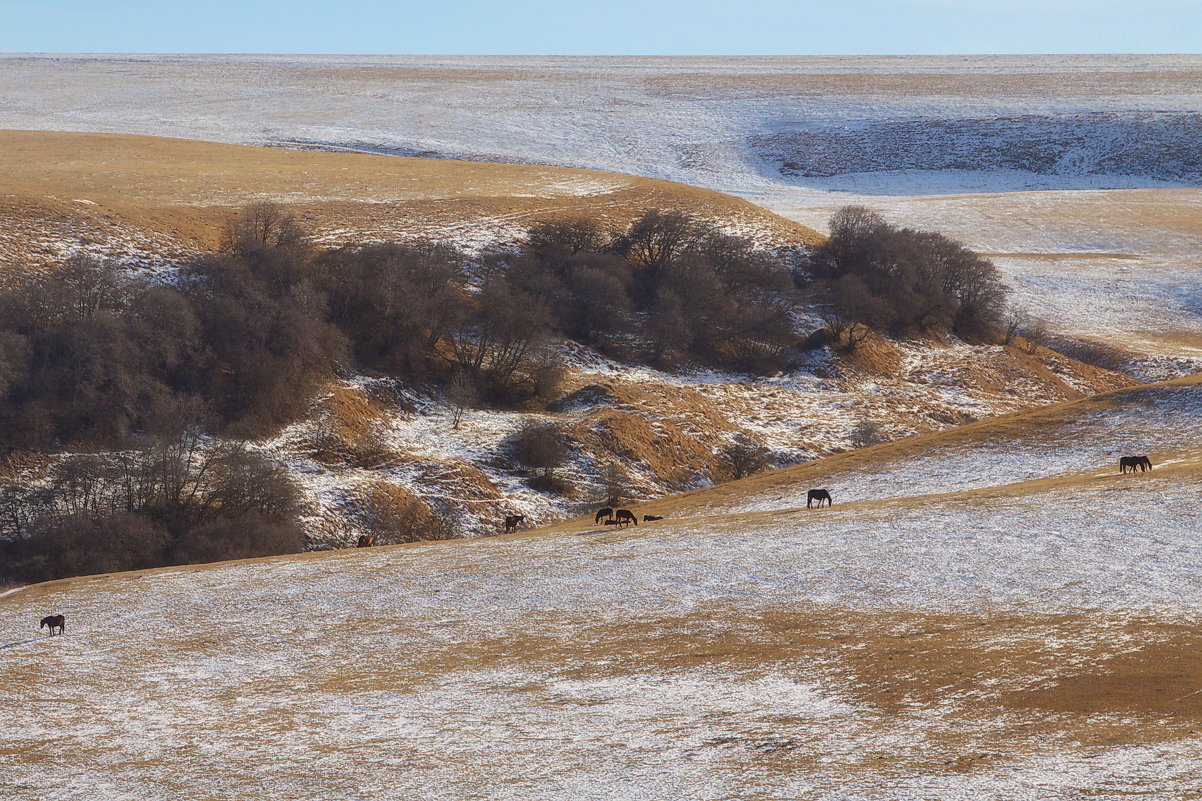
(612, 27)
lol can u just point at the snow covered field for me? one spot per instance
(942, 124)
(1022, 156)
(921, 647)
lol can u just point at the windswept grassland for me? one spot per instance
(989, 612)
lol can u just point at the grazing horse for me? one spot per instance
(606, 512)
(512, 522)
(649, 518)
(626, 516)
(1140, 463)
(54, 622)
(366, 541)
(819, 495)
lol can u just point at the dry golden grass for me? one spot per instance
(348, 426)
(172, 195)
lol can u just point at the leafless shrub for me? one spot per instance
(742, 457)
(393, 515)
(616, 487)
(868, 432)
(462, 394)
(1036, 334)
(571, 235)
(542, 448)
(261, 226)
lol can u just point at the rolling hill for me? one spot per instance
(1025, 633)
(149, 200)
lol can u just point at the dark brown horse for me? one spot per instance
(603, 513)
(649, 518)
(1140, 463)
(54, 622)
(625, 516)
(365, 541)
(512, 522)
(819, 495)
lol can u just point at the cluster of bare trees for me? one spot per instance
(873, 275)
(95, 361)
(165, 500)
(670, 288)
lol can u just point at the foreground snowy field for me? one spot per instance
(1017, 641)
(1081, 173)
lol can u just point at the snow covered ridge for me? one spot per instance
(1163, 147)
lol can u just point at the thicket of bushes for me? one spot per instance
(870, 274)
(168, 500)
(93, 360)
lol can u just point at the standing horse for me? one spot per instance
(819, 495)
(626, 516)
(1140, 463)
(512, 522)
(365, 541)
(607, 512)
(54, 622)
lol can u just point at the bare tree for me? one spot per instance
(1015, 321)
(657, 238)
(615, 485)
(261, 225)
(573, 235)
(462, 394)
(743, 457)
(543, 448)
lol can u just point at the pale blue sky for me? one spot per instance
(618, 27)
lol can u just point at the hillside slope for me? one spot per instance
(1023, 641)
(148, 200)
(1081, 172)
(659, 432)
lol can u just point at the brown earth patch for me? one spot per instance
(1093, 679)
(348, 428)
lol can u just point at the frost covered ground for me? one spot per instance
(1024, 641)
(986, 613)
(1087, 443)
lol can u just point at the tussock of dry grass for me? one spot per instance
(348, 428)
(673, 457)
